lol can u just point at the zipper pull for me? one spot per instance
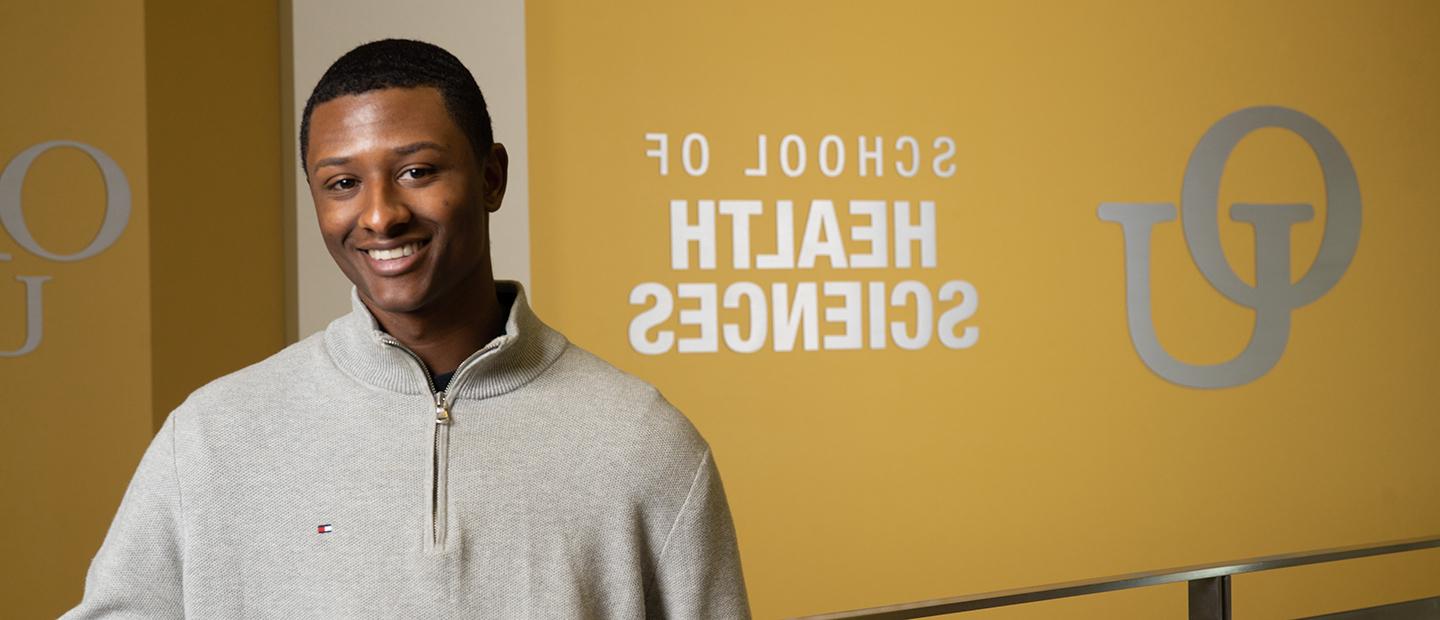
(442, 411)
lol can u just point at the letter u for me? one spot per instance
(1267, 339)
(34, 315)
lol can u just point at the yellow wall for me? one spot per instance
(75, 413)
(186, 103)
(217, 249)
(1047, 451)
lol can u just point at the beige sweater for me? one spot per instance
(329, 482)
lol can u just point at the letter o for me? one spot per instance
(792, 156)
(117, 201)
(1200, 198)
(690, 168)
(832, 144)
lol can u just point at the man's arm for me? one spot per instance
(137, 572)
(698, 575)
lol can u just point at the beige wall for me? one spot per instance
(489, 37)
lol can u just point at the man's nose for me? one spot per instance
(386, 213)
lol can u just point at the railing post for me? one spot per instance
(1210, 598)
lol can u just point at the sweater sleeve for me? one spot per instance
(136, 573)
(698, 574)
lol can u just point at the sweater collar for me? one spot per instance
(362, 350)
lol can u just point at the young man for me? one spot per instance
(438, 452)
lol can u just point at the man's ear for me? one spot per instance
(495, 171)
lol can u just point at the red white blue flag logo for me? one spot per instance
(324, 528)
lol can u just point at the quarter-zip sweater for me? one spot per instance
(329, 481)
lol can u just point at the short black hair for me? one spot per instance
(403, 63)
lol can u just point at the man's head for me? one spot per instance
(402, 63)
(400, 161)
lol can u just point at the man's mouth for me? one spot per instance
(386, 262)
(396, 252)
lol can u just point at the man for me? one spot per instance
(438, 452)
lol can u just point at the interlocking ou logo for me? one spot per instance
(1273, 296)
(12, 218)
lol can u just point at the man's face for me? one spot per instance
(400, 196)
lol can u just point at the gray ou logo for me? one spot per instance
(12, 219)
(1273, 296)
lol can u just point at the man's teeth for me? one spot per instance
(394, 253)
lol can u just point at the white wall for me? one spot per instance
(489, 37)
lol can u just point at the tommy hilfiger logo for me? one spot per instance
(324, 528)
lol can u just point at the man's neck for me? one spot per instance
(453, 329)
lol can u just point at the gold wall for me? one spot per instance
(185, 101)
(1046, 450)
(216, 143)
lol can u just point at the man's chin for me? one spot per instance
(392, 301)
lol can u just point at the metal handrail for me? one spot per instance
(1209, 584)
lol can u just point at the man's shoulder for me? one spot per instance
(578, 368)
(582, 386)
(613, 430)
(295, 363)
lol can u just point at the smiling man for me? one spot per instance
(438, 452)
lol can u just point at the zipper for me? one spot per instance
(440, 469)
(440, 444)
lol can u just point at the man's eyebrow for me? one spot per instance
(331, 161)
(416, 147)
(407, 149)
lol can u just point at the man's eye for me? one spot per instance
(416, 173)
(344, 184)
